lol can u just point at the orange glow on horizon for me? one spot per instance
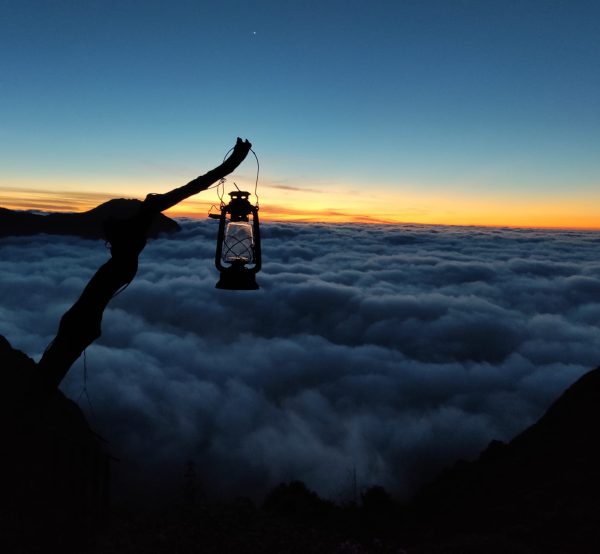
(383, 208)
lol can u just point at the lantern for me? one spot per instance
(238, 256)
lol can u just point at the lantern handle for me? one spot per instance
(255, 181)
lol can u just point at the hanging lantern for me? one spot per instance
(238, 256)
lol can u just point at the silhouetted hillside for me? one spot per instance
(54, 470)
(539, 492)
(86, 224)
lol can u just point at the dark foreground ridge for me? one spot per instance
(536, 494)
(89, 225)
(54, 470)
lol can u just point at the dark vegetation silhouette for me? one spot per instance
(539, 492)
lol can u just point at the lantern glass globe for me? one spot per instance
(238, 244)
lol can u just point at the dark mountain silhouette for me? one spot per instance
(54, 470)
(538, 493)
(85, 224)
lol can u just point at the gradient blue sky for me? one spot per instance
(415, 106)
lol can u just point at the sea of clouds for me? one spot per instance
(391, 351)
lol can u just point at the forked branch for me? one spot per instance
(81, 324)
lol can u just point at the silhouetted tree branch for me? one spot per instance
(81, 324)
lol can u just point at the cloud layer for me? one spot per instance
(394, 350)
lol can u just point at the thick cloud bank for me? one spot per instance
(394, 350)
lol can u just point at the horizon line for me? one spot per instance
(313, 218)
(31, 199)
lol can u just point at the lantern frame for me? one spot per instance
(237, 276)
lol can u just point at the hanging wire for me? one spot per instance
(220, 186)
(221, 191)
(84, 390)
(227, 153)
(257, 172)
(217, 184)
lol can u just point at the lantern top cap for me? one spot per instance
(239, 194)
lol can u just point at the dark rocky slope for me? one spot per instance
(53, 469)
(538, 493)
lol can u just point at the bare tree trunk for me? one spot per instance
(81, 324)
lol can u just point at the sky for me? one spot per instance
(391, 350)
(450, 112)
